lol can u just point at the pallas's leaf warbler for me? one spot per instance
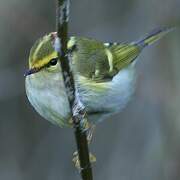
(104, 75)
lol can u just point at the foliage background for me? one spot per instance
(142, 142)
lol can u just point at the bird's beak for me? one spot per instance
(31, 71)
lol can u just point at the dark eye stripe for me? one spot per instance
(53, 62)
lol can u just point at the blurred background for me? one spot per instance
(140, 143)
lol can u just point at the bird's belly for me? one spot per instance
(50, 101)
(103, 99)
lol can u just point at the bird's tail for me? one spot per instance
(152, 37)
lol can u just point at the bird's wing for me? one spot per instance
(123, 55)
(98, 61)
(102, 61)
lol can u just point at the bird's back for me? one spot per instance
(105, 73)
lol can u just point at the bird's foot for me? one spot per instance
(89, 128)
(90, 131)
(76, 160)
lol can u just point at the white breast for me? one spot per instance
(48, 97)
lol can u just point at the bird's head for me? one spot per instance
(42, 55)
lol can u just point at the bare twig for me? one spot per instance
(77, 108)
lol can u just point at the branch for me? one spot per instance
(77, 108)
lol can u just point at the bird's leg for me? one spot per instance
(89, 128)
(76, 161)
(90, 132)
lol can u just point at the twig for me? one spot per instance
(77, 108)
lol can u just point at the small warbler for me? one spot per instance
(104, 75)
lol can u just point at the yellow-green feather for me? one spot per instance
(152, 37)
(93, 59)
(123, 55)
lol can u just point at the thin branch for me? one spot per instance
(77, 108)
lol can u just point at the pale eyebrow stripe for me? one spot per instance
(41, 62)
(110, 59)
(37, 50)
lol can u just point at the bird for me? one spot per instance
(104, 73)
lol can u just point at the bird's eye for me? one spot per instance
(53, 62)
